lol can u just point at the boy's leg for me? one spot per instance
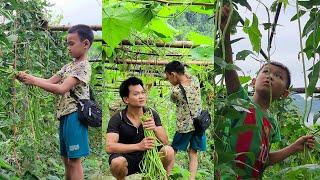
(119, 167)
(73, 168)
(197, 143)
(167, 158)
(76, 145)
(193, 163)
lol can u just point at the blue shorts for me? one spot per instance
(73, 135)
(182, 140)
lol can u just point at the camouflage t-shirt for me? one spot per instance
(82, 71)
(184, 121)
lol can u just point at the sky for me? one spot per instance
(285, 46)
(78, 11)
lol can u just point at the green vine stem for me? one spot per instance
(301, 55)
(14, 100)
(313, 63)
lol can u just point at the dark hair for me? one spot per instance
(124, 87)
(283, 67)
(84, 32)
(174, 66)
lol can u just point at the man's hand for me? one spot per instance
(146, 144)
(149, 124)
(309, 141)
(25, 78)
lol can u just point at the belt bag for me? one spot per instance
(202, 121)
(89, 112)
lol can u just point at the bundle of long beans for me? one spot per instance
(151, 165)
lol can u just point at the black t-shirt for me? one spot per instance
(128, 133)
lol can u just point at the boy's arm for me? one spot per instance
(66, 86)
(53, 80)
(278, 156)
(231, 76)
(112, 145)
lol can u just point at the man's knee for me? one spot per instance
(167, 152)
(118, 164)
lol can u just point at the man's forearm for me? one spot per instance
(121, 148)
(161, 135)
(280, 155)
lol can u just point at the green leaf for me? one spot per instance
(141, 17)
(267, 26)
(236, 40)
(220, 62)
(253, 32)
(295, 17)
(5, 165)
(242, 55)
(119, 22)
(202, 52)
(243, 3)
(3, 39)
(202, 10)
(316, 117)
(167, 11)
(309, 4)
(116, 26)
(313, 78)
(240, 108)
(161, 28)
(244, 79)
(198, 39)
(225, 157)
(284, 3)
(312, 23)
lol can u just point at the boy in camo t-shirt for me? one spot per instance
(75, 77)
(185, 135)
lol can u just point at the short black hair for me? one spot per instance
(283, 67)
(174, 66)
(84, 32)
(124, 87)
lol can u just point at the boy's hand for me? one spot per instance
(149, 124)
(146, 144)
(224, 17)
(308, 140)
(25, 78)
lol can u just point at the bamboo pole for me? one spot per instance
(66, 27)
(174, 3)
(176, 44)
(302, 90)
(160, 62)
